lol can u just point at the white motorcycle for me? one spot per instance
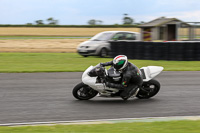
(94, 77)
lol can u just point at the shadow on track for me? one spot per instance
(116, 101)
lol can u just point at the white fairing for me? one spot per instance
(86, 79)
(151, 72)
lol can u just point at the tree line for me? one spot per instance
(126, 20)
(50, 21)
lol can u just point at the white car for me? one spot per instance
(99, 44)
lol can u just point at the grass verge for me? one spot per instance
(136, 127)
(72, 62)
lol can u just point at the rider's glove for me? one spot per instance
(101, 65)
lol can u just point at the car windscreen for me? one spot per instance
(101, 37)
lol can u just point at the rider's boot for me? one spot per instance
(130, 91)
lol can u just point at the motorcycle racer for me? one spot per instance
(131, 76)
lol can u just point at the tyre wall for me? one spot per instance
(177, 51)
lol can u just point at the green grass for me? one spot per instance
(71, 62)
(136, 127)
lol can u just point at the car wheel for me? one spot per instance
(104, 52)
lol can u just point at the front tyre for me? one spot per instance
(83, 92)
(149, 89)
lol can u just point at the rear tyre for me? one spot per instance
(149, 89)
(83, 92)
(104, 52)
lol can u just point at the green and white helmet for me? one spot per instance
(120, 62)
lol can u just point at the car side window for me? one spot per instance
(119, 36)
(130, 36)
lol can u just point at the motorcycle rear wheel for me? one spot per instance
(83, 92)
(150, 89)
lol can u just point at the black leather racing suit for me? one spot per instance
(131, 79)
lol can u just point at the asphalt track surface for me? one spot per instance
(44, 97)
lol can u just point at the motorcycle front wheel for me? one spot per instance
(149, 89)
(83, 92)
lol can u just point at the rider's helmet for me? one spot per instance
(120, 62)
